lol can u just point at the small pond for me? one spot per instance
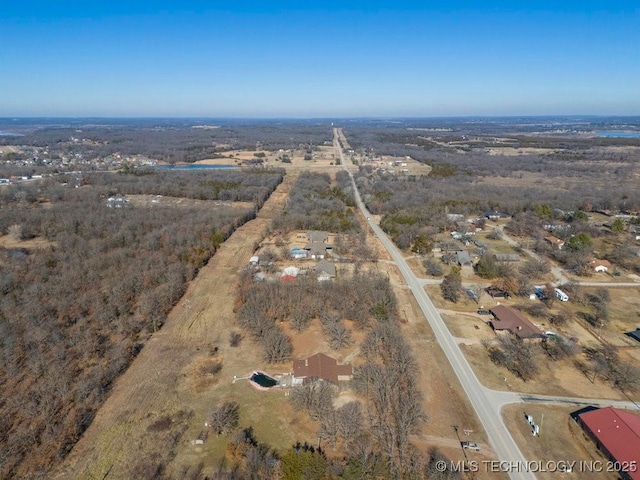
(263, 380)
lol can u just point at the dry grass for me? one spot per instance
(561, 440)
(151, 201)
(37, 243)
(555, 378)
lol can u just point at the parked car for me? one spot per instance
(471, 446)
(483, 312)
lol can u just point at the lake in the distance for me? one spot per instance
(618, 134)
(9, 134)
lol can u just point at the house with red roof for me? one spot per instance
(512, 321)
(320, 367)
(616, 434)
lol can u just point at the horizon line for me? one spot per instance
(321, 117)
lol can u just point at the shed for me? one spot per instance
(255, 260)
(600, 266)
(290, 271)
(555, 241)
(495, 292)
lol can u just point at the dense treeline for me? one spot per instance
(246, 457)
(263, 305)
(75, 312)
(315, 204)
(171, 141)
(388, 382)
(418, 205)
(414, 137)
(464, 179)
(249, 185)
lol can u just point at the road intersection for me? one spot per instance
(487, 403)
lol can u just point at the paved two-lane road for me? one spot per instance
(486, 403)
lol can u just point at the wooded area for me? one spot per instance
(76, 311)
(168, 140)
(316, 204)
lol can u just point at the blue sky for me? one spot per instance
(318, 58)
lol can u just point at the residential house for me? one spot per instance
(463, 258)
(320, 367)
(616, 433)
(325, 270)
(317, 236)
(316, 250)
(553, 227)
(117, 202)
(495, 215)
(512, 321)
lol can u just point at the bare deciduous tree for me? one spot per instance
(15, 231)
(277, 346)
(451, 286)
(517, 356)
(350, 420)
(315, 397)
(224, 418)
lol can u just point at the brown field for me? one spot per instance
(37, 243)
(9, 149)
(554, 378)
(511, 151)
(323, 157)
(159, 200)
(560, 440)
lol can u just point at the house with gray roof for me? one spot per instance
(463, 258)
(325, 270)
(317, 236)
(316, 250)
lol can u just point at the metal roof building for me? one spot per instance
(617, 435)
